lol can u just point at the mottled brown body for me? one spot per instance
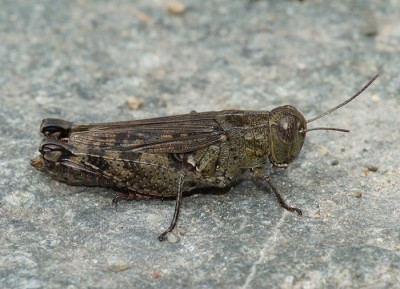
(164, 157)
(209, 149)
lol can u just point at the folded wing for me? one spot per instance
(172, 134)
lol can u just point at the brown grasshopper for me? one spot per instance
(166, 156)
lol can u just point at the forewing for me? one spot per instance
(174, 134)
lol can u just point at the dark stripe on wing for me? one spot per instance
(174, 134)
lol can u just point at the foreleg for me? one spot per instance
(261, 175)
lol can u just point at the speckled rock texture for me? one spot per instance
(98, 61)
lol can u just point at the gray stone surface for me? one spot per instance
(82, 60)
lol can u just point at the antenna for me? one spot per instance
(337, 107)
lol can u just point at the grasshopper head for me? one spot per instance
(287, 126)
(288, 130)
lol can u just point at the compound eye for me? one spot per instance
(287, 129)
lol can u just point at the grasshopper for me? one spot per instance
(167, 156)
